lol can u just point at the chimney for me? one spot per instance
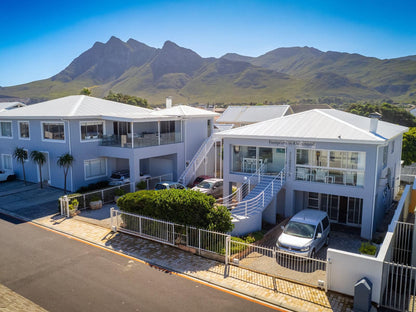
(169, 102)
(374, 117)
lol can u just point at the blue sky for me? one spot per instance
(40, 38)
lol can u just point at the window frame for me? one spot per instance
(98, 176)
(42, 134)
(2, 161)
(84, 122)
(11, 130)
(19, 131)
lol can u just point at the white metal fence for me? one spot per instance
(223, 247)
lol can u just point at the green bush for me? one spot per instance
(119, 192)
(93, 186)
(185, 207)
(142, 185)
(368, 249)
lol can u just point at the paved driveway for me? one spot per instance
(29, 200)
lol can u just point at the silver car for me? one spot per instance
(213, 187)
(306, 233)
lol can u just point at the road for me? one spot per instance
(62, 274)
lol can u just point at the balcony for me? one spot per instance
(140, 140)
(333, 176)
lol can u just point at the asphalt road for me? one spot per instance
(62, 274)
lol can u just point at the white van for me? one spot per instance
(306, 233)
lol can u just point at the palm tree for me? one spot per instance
(20, 155)
(65, 161)
(40, 159)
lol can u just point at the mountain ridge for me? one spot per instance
(289, 73)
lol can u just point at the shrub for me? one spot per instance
(185, 207)
(368, 249)
(142, 185)
(92, 187)
(95, 198)
(119, 192)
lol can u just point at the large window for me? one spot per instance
(95, 168)
(24, 130)
(248, 159)
(340, 209)
(92, 130)
(339, 167)
(53, 131)
(6, 129)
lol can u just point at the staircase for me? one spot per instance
(189, 174)
(247, 214)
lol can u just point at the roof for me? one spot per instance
(10, 105)
(185, 111)
(310, 216)
(251, 114)
(326, 125)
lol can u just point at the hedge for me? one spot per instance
(185, 207)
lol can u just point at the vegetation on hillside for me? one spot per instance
(127, 99)
(409, 147)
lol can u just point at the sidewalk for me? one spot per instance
(13, 302)
(291, 296)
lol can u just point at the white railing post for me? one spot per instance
(199, 241)
(114, 225)
(246, 210)
(227, 249)
(263, 198)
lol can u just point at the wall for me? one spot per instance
(345, 268)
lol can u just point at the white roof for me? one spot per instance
(81, 107)
(10, 105)
(185, 111)
(252, 114)
(327, 125)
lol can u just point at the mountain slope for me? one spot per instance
(285, 73)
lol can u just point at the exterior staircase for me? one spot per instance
(189, 174)
(247, 213)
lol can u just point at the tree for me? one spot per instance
(65, 161)
(85, 91)
(127, 99)
(20, 154)
(40, 159)
(409, 147)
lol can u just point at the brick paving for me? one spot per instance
(13, 302)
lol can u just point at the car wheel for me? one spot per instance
(327, 241)
(11, 177)
(313, 253)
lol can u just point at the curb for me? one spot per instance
(146, 261)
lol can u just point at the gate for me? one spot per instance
(398, 283)
(278, 264)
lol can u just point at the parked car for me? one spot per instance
(305, 233)
(7, 175)
(213, 187)
(199, 180)
(164, 185)
(119, 177)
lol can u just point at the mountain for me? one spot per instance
(294, 73)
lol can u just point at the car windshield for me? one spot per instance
(300, 229)
(160, 187)
(205, 185)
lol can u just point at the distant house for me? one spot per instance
(103, 136)
(10, 105)
(245, 115)
(338, 162)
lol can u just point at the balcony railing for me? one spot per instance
(140, 140)
(334, 176)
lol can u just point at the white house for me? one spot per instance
(344, 164)
(103, 136)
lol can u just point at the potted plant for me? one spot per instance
(96, 202)
(118, 193)
(368, 249)
(73, 208)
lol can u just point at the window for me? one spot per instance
(392, 147)
(95, 168)
(6, 162)
(325, 223)
(6, 129)
(53, 131)
(92, 130)
(24, 130)
(385, 154)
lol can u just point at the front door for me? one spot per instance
(45, 169)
